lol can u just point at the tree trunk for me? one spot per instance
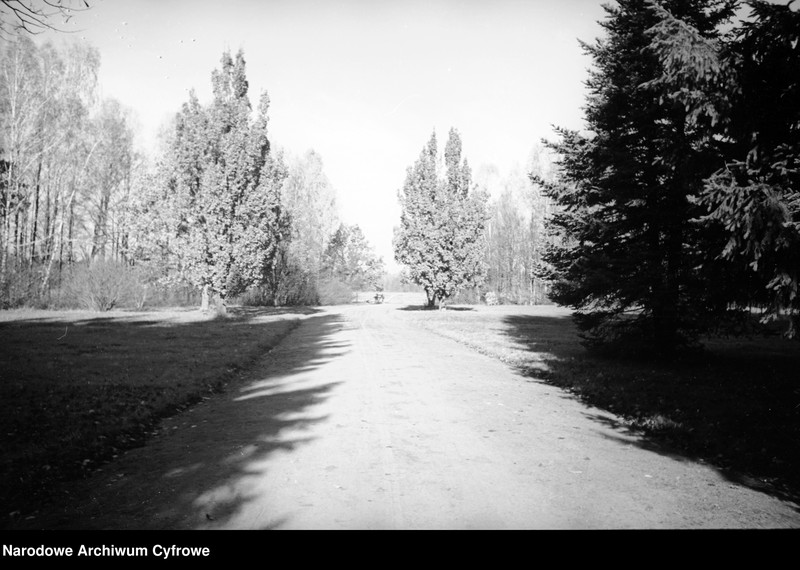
(431, 299)
(71, 234)
(204, 299)
(37, 189)
(59, 233)
(100, 237)
(6, 231)
(222, 305)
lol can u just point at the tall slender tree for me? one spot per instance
(226, 185)
(441, 233)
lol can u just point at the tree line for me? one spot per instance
(516, 231)
(673, 213)
(66, 159)
(86, 218)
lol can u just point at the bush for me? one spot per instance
(491, 298)
(296, 288)
(254, 297)
(471, 296)
(292, 287)
(334, 292)
(102, 285)
(21, 287)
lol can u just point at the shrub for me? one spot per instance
(334, 292)
(254, 297)
(469, 296)
(491, 298)
(293, 287)
(21, 286)
(102, 285)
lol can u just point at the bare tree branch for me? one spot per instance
(36, 16)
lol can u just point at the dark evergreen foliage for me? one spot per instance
(630, 258)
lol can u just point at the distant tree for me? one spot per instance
(507, 271)
(36, 16)
(397, 283)
(441, 235)
(540, 168)
(350, 259)
(310, 203)
(516, 236)
(110, 172)
(628, 251)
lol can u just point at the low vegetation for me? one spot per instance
(735, 405)
(77, 387)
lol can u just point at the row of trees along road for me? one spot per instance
(66, 163)
(679, 208)
(215, 210)
(228, 216)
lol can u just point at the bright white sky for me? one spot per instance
(362, 82)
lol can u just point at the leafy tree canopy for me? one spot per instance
(225, 185)
(441, 235)
(350, 259)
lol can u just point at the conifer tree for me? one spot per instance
(742, 90)
(628, 251)
(755, 198)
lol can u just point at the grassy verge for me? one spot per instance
(736, 406)
(78, 388)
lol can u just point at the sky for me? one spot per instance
(364, 83)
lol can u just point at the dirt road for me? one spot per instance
(360, 420)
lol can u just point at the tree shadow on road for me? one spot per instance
(197, 467)
(735, 406)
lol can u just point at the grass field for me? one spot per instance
(737, 406)
(77, 388)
